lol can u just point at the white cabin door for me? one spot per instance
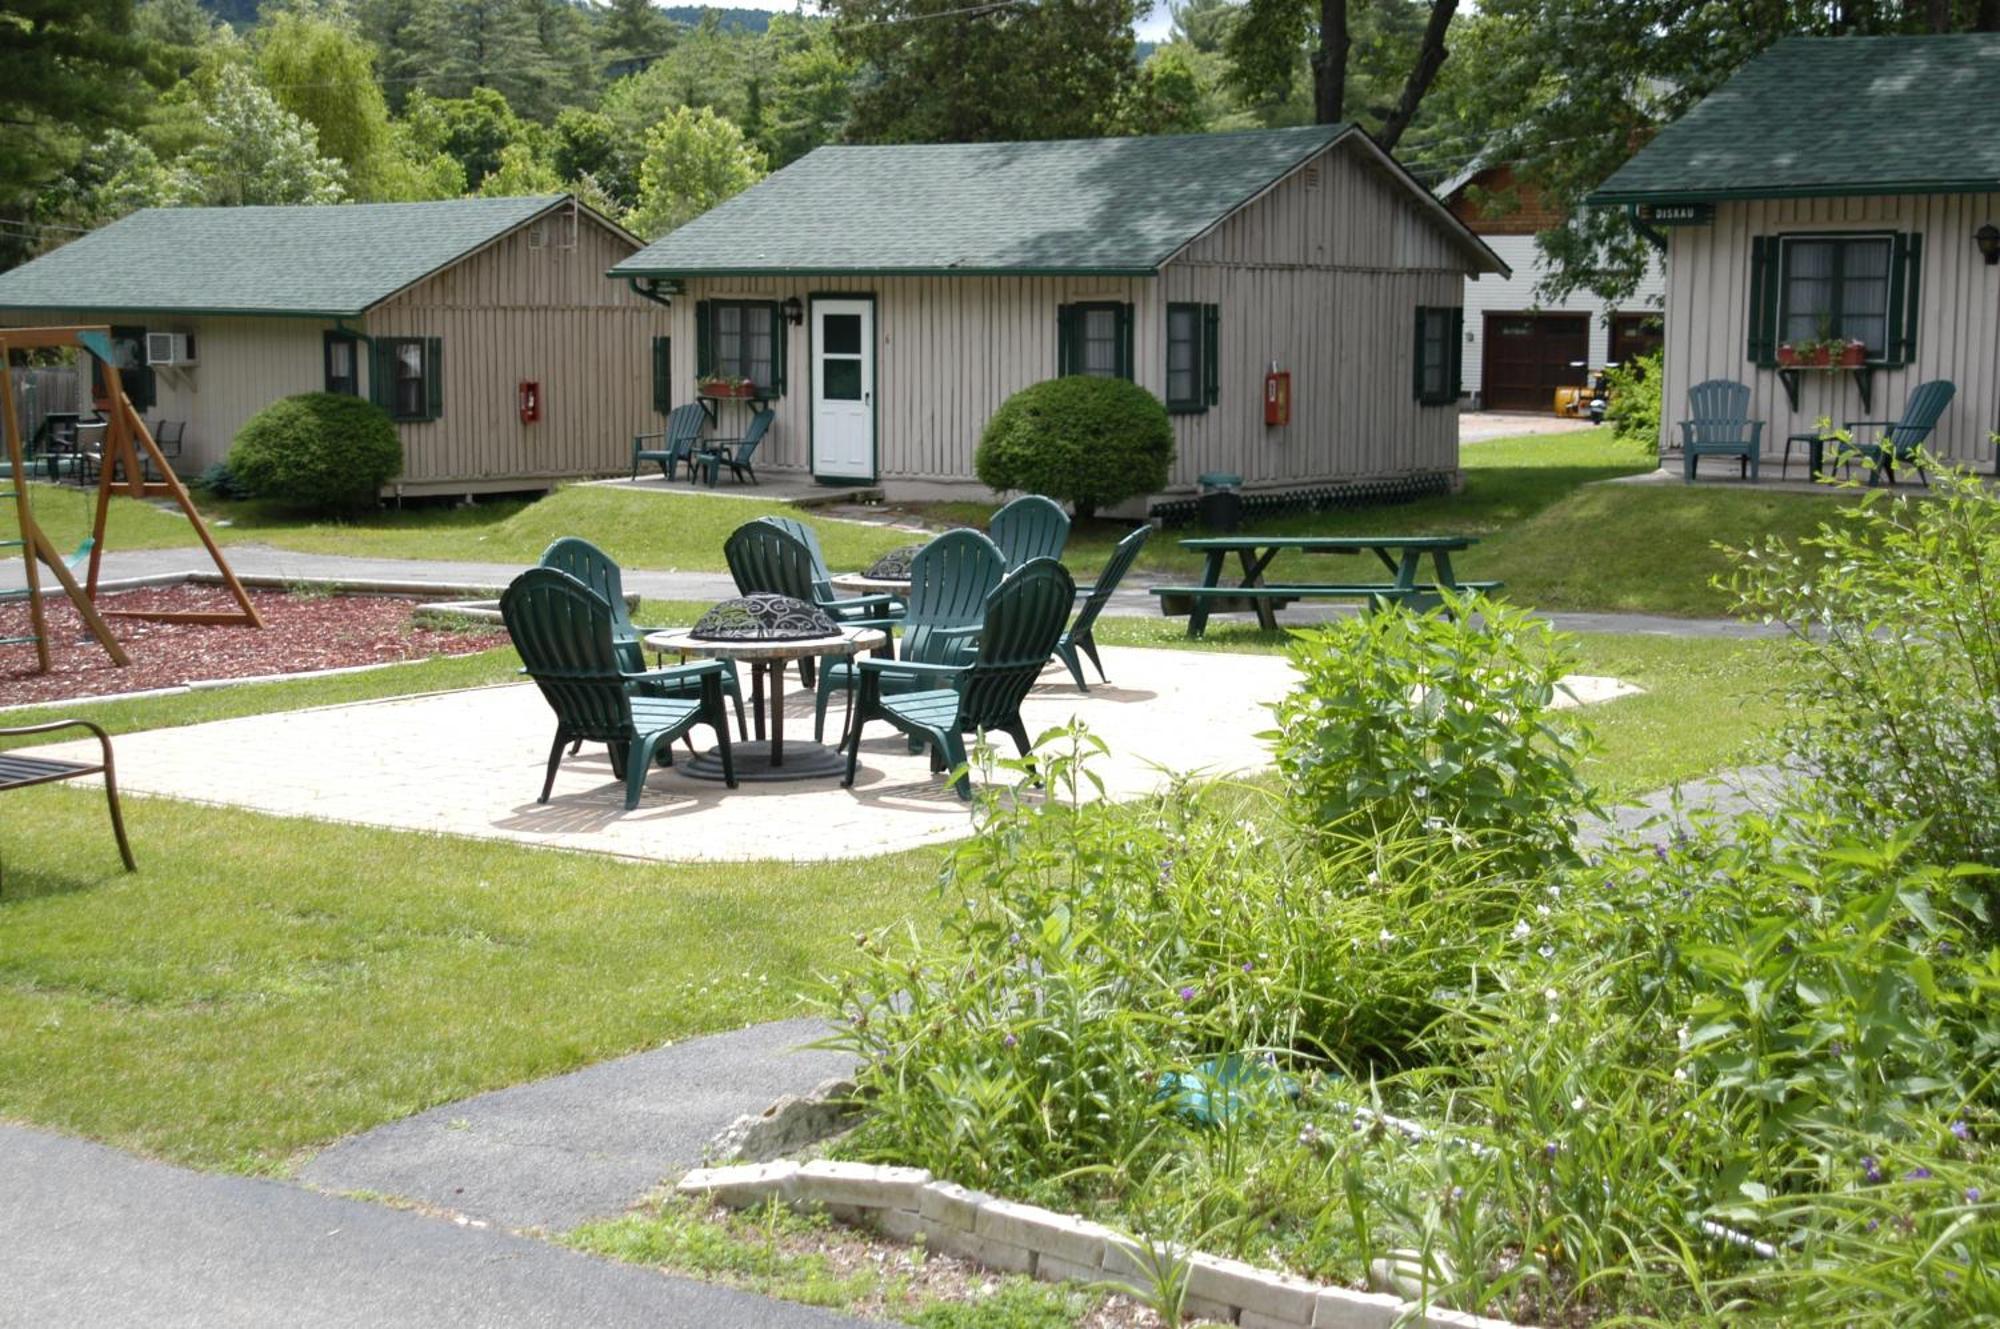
(843, 389)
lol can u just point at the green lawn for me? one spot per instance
(1558, 540)
(662, 532)
(263, 985)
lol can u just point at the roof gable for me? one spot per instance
(335, 261)
(1833, 116)
(1118, 206)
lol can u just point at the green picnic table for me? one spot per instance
(1401, 555)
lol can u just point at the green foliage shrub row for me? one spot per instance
(1089, 442)
(1397, 1004)
(1633, 410)
(318, 451)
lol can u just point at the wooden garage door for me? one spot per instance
(1529, 356)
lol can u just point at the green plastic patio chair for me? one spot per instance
(1079, 635)
(735, 453)
(950, 579)
(1023, 617)
(1029, 527)
(1719, 425)
(593, 567)
(563, 631)
(781, 557)
(1900, 439)
(677, 443)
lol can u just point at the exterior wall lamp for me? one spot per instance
(795, 312)
(1987, 238)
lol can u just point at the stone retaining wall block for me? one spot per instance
(1343, 1308)
(742, 1186)
(1070, 1239)
(861, 1185)
(1234, 1283)
(948, 1205)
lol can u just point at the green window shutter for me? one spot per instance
(1457, 352)
(1066, 339)
(1417, 359)
(1211, 321)
(1126, 358)
(1762, 341)
(381, 373)
(704, 340)
(778, 330)
(1905, 279)
(663, 375)
(433, 378)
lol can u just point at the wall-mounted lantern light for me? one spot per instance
(1987, 238)
(795, 312)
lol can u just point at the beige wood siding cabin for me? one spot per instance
(1315, 250)
(507, 290)
(1889, 141)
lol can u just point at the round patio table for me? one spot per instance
(773, 759)
(863, 584)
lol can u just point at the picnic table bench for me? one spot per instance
(1401, 555)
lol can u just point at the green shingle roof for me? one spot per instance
(1833, 116)
(1110, 205)
(335, 261)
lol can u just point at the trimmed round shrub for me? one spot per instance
(318, 450)
(1090, 442)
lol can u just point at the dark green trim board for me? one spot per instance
(691, 273)
(1211, 338)
(1750, 193)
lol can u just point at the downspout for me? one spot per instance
(649, 291)
(1654, 237)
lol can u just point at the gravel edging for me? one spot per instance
(908, 1204)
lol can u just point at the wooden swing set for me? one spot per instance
(126, 438)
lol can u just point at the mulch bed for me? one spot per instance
(300, 633)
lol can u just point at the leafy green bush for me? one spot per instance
(1436, 717)
(216, 478)
(1633, 410)
(1895, 609)
(1090, 442)
(319, 451)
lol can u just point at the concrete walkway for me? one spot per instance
(707, 587)
(590, 1144)
(90, 1236)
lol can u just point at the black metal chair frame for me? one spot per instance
(19, 770)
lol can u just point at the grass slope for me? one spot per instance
(663, 532)
(1558, 539)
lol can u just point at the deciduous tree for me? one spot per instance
(694, 160)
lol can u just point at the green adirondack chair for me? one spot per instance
(1029, 527)
(593, 567)
(677, 444)
(735, 453)
(1023, 617)
(1719, 425)
(1078, 636)
(872, 611)
(1900, 439)
(563, 630)
(950, 579)
(781, 556)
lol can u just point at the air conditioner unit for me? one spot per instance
(169, 349)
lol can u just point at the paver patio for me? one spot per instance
(471, 762)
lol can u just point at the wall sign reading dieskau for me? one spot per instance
(1674, 214)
